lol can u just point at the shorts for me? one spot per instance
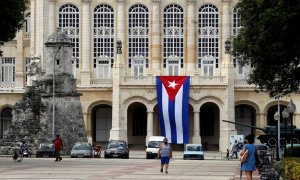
(164, 160)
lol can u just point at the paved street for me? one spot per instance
(214, 167)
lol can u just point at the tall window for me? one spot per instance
(208, 40)
(138, 40)
(27, 23)
(241, 71)
(103, 41)
(173, 39)
(68, 21)
(8, 69)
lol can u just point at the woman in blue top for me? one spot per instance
(249, 165)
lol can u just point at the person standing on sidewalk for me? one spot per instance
(250, 165)
(164, 153)
(58, 145)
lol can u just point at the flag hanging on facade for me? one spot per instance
(173, 107)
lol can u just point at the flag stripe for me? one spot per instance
(185, 110)
(165, 110)
(172, 121)
(178, 115)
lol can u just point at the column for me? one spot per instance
(191, 39)
(149, 124)
(20, 61)
(85, 74)
(41, 29)
(196, 137)
(119, 128)
(32, 27)
(227, 129)
(52, 26)
(155, 38)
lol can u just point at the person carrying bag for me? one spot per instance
(247, 157)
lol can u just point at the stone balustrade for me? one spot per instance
(7, 86)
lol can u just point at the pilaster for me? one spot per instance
(85, 74)
(196, 136)
(155, 38)
(20, 61)
(52, 26)
(191, 39)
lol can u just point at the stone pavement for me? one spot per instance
(214, 167)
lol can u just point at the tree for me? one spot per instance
(11, 18)
(269, 41)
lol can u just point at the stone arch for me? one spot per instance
(136, 124)
(245, 113)
(5, 119)
(99, 121)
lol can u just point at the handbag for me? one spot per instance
(244, 157)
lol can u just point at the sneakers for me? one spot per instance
(60, 159)
(161, 170)
(166, 172)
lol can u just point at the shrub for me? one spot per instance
(291, 168)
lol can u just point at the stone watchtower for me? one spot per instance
(61, 91)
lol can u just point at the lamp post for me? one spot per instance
(277, 118)
(53, 91)
(285, 115)
(119, 46)
(291, 107)
(227, 46)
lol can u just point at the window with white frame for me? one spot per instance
(173, 39)
(103, 41)
(173, 67)
(27, 23)
(208, 39)
(103, 68)
(8, 69)
(68, 21)
(138, 39)
(241, 71)
(138, 66)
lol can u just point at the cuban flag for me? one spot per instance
(173, 107)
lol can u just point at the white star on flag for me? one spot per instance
(172, 84)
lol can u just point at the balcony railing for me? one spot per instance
(138, 80)
(208, 80)
(101, 82)
(242, 83)
(4, 86)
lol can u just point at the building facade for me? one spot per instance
(158, 37)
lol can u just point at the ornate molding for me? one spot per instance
(51, 1)
(121, 1)
(86, 1)
(191, 2)
(156, 2)
(150, 91)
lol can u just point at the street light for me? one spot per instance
(291, 107)
(285, 115)
(53, 98)
(119, 47)
(227, 46)
(277, 118)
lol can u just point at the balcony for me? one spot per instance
(242, 83)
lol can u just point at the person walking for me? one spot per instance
(58, 145)
(250, 164)
(234, 149)
(164, 153)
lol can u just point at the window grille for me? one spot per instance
(103, 34)
(173, 33)
(208, 34)
(68, 21)
(138, 38)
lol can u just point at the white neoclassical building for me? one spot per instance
(159, 37)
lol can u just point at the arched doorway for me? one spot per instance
(6, 120)
(101, 123)
(210, 125)
(137, 124)
(245, 114)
